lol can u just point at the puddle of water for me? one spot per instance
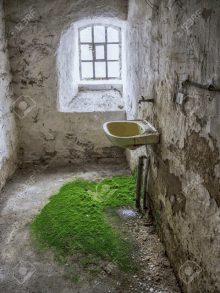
(126, 213)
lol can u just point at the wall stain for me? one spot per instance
(201, 158)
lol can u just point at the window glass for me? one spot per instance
(86, 52)
(87, 69)
(113, 52)
(86, 35)
(99, 52)
(112, 35)
(113, 69)
(100, 69)
(101, 45)
(99, 34)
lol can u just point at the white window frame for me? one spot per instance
(105, 44)
(101, 21)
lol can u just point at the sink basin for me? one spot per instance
(131, 134)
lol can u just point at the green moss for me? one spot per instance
(74, 222)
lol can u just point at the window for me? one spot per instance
(100, 52)
(91, 58)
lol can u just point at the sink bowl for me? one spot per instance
(131, 134)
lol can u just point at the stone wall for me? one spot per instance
(8, 133)
(175, 41)
(168, 42)
(34, 32)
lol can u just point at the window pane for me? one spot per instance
(113, 52)
(112, 35)
(86, 52)
(113, 69)
(86, 35)
(100, 70)
(99, 34)
(99, 52)
(87, 69)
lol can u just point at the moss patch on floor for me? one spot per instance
(74, 222)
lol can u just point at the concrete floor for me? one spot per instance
(22, 270)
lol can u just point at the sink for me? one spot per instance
(131, 134)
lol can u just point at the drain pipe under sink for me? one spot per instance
(146, 194)
(139, 183)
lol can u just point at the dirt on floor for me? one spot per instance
(22, 270)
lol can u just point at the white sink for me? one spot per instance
(131, 134)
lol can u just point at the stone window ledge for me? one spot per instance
(93, 86)
(97, 98)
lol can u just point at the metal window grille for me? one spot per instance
(93, 47)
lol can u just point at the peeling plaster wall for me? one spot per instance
(46, 135)
(8, 133)
(184, 181)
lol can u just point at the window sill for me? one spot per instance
(92, 87)
(106, 98)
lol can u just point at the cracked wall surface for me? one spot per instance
(168, 42)
(8, 131)
(177, 41)
(34, 30)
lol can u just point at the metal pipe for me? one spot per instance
(147, 100)
(139, 180)
(146, 194)
(208, 87)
